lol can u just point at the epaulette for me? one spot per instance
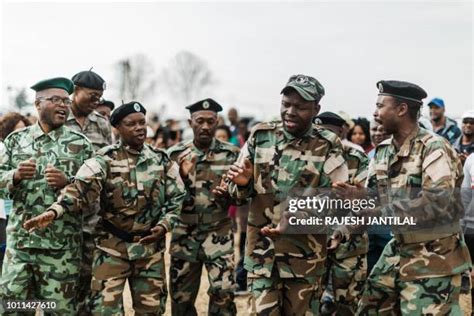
(108, 149)
(357, 153)
(228, 146)
(328, 135)
(77, 133)
(157, 150)
(18, 131)
(427, 137)
(264, 126)
(181, 146)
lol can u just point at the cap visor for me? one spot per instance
(305, 95)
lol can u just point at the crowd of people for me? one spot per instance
(90, 190)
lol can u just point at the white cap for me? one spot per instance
(468, 114)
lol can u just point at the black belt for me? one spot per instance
(122, 234)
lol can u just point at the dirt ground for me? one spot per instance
(202, 301)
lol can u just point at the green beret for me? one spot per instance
(205, 105)
(54, 83)
(307, 87)
(124, 110)
(89, 79)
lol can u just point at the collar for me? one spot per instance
(212, 147)
(55, 134)
(290, 137)
(91, 117)
(405, 148)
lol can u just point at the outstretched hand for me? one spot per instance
(40, 221)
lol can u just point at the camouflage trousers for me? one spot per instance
(146, 278)
(386, 294)
(41, 274)
(348, 276)
(84, 290)
(277, 296)
(185, 279)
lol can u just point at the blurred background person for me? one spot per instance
(360, 134)
(8, 123)
(105, 107)
(443, 125)
(345, 131)
(464, 144)
(233, 117)
(377, 135)
(223, 133)
(11, 122)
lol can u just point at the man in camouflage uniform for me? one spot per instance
(285, 271)
(348, 264)
(141, 194)
(88, 90)
(204, 233)
(424, 269)
(36, 163)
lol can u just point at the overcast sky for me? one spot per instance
(251, 47)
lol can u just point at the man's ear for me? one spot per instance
(189, 122)
(317, 108)
(37, 105)
(402, 109)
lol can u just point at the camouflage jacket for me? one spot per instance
(203, 223)
(66, 150)
(137, 190)
(282, 164)
(358, 164)
(420, 180)
(96, 128)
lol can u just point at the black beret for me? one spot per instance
(54, 83)
(402, 89)
(108, 104)
(124, 110)
(329, 118)
(205, 105)
(89, 79)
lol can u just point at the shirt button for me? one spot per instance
(37, 188)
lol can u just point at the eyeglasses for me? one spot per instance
(57, 100)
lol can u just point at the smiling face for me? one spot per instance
(297, 114)
(132, 130)
(52, 115)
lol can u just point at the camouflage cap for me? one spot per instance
(307, 87)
